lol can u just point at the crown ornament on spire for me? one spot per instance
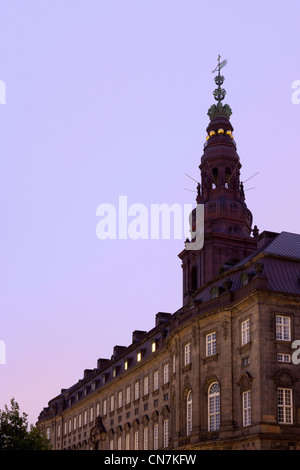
(219, 94)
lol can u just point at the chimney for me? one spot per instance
(137, 335)
(265, 238)
(117, 351)
(101, 363)
(161, 317)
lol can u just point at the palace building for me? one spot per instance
(222, 372)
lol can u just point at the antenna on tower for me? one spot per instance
(192, 178)
(198, 185)
(192, 190)
(251, 177)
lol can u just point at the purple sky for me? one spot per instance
(106, 99)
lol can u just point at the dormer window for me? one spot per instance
(244, 279)
(214, 292)
(139, 355)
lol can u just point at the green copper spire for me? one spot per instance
(219, 94)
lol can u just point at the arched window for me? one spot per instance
(189, 412)
(214, 407)
(227, 177)
(194, 278)
(215, 175)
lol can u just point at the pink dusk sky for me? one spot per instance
(106, 99)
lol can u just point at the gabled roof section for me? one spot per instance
(286, 244)
(279, 256)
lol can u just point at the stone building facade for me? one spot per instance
(222, 372)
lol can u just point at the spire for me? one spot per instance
(219, 94)
(227, 219)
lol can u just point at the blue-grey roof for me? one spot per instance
(285, 244)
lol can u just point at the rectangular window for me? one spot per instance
(92, 414)
(283, 357)
(65, 428)
(75, 423)
(246, 397)
(155, 437)
(166, 373)
(104, 407)
(70, 425)
(155, 380)
(111, 444)
(98, 409)
(48, 433)
(112, 403)
(127, 441)
(79, 420)
(128, 389)
(85, 418)
(153, 346)
(187, 354)
(246, 331)
(137, 390)
(58, 431)
(119, 443)
(146, 385)
(166, 433)
(246, 361)
(120, 399)
(283, 328)
(285, 407)
(146, 435)
(136, 440)
(211, 344)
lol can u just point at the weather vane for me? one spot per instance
(219, 93)
(220, 65)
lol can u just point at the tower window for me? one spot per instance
(227, 177)
(215, 174)
(194, 278)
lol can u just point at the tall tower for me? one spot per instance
(228, 234)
